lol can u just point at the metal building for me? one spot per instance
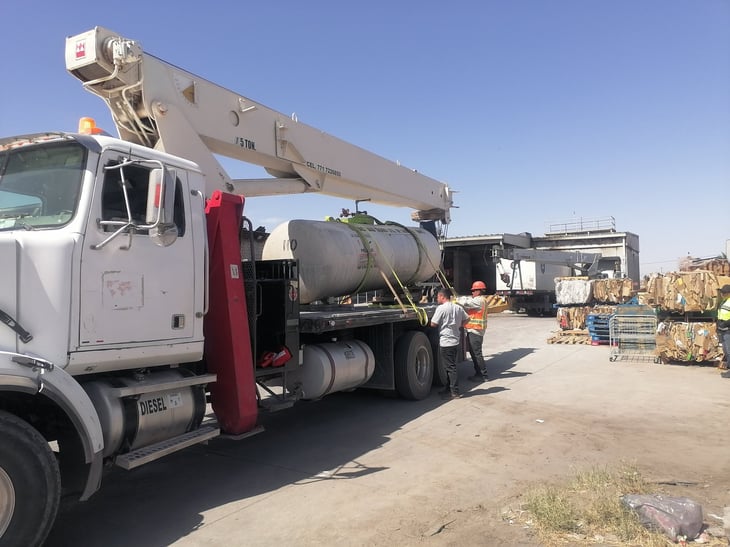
(470, 257)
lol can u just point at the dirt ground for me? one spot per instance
(363, 469)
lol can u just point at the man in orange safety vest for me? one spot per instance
(476, 308)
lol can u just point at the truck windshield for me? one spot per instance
(40, 185)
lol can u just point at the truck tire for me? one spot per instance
(413, 365)
(30, 484)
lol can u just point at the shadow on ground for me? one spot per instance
(500, 365)
(162, 502)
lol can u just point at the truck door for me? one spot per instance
(132, 289)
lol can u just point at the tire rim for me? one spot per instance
(7, 501)
(422, 364)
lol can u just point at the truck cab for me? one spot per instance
(104, 268)
(85, 208)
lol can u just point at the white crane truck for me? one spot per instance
(531, 286)
(127, 310)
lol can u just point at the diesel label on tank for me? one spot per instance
(152, 406)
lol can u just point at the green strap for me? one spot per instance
(420, 312)
(421, 249)
(355, 228)
(439, 272)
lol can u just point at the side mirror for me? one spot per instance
(164, 235)
(161, 207)
(160, 197)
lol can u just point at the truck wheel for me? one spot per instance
(413, 365)
(30, 484)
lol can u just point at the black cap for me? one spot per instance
(725, 288)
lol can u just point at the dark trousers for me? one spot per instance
(475, 350)
(448, 358)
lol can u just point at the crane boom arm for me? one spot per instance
(159, 105)
(587, 263)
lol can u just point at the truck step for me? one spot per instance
(156, 451)
(255, 431)
(274, 404)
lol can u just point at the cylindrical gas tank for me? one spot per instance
(337, 258)
(153, 416)
(334, 366)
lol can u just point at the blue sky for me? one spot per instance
(533, 111)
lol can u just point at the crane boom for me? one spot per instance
(587, 263)
(159, 105)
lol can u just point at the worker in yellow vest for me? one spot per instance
(723, 325)
(476, 308)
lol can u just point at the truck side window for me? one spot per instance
(113, 206)
(136, 180)
(179, 214)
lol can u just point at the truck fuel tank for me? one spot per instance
(339, 258)
(332, 366)
(160, 411)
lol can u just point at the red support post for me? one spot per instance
(226, 328)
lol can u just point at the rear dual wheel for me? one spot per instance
(413, 365)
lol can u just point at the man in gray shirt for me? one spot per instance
(449, 319)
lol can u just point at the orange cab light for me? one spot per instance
(87, 126)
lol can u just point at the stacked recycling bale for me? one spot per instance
(684, 292)
(574, 317)
(584, 305)
(612, 291)
(716, 265)
(687, 302)
(579, 297)
(688, 341)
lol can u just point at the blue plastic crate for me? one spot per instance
(597, 320)
(597, 324)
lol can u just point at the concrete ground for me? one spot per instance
(363, 469)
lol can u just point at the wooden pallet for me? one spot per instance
(575, 336)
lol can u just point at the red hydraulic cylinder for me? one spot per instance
(226, 328)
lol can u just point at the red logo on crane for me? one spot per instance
(81, 49)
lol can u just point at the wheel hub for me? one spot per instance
(421, 364)
(7, 501)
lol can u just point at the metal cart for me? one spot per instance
(633, 337)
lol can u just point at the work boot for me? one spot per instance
(448, 394)
(477, 378)
(725, 374)
(445, 391)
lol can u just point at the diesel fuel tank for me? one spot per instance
(331, 367)
(340, 258)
